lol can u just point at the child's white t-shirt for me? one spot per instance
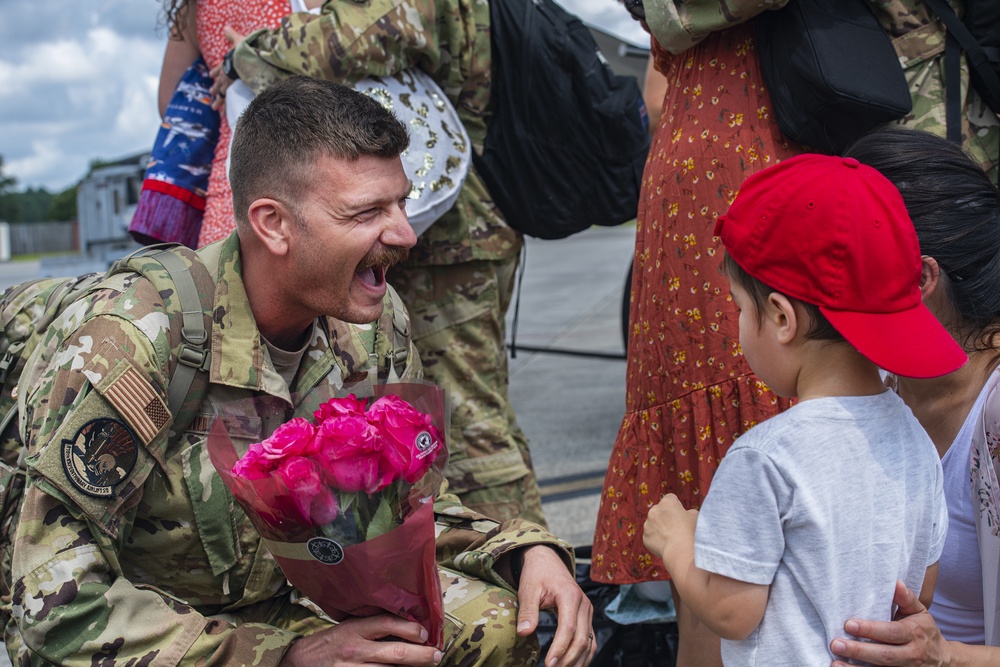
(829, 503)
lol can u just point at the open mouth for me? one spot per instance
(371, 270)
(373, 276)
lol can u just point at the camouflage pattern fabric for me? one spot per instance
(480, 623)
(450, 283)
(456, 317)
(130, 550)
(918, 40)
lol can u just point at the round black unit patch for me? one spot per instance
(100, 456)
(325, 550)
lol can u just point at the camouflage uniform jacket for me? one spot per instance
(450, 40)
(919, 41)
(129, 550)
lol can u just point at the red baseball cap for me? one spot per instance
(835, 233)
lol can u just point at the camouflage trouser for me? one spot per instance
(457, 316)
(480, 624)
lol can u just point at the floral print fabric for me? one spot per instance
(689, 390)
(244, 16)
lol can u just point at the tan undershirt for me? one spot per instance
(285, 362)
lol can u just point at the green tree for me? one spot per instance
(33, 204)
(63, 205)
(8, 203)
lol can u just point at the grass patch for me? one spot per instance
(41, 255)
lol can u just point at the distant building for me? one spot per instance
(625, 59)
(105, 202)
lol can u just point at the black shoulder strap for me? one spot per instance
(977, 56)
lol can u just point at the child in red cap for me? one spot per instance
(815, 514)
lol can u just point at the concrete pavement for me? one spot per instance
(571, 406)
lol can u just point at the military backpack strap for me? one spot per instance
(193, 356)
(192, 350)
(397, 355)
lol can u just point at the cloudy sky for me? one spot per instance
(78, 80)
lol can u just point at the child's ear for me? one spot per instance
(784, 316)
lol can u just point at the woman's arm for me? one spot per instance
(927, 590)
(912, 640)
(654, 89)
(182, 50)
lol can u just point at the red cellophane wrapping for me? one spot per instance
(344, 501)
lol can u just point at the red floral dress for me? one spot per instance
(689, 390)
(244, 16)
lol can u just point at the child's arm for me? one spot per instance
(732, 609)
(927, 590)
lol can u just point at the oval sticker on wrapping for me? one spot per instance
(100, 456)
(325, 550)
(424, 443)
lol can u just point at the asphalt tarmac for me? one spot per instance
(570, 405)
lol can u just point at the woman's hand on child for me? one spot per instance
(911, 640)
(667, 524)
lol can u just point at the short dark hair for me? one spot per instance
(955, 208)
(819, 327)
(295, 121)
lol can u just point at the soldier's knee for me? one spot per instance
(520, 498)
(483, 620)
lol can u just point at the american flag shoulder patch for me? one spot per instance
(137, 401)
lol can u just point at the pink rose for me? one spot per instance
(293, 438)
(337, 407)
(312, 497)
(411, 443)
(253, 465)
(348, 452)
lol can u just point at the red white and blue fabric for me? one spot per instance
(172, 202)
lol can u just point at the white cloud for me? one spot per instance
(138, 112)
(44, 157)
(65, 101)
(78, 80)
(608, 16)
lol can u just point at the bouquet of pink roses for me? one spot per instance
(344, 501)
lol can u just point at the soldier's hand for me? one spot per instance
(364, 641)
(547, 584)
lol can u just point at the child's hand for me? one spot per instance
(668, 524)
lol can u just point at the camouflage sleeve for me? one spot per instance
(95, 425)
(480, 547)
(348, 41)
(680, 24)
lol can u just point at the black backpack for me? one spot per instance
(831, 70)
(567, 143)
(978, 34)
